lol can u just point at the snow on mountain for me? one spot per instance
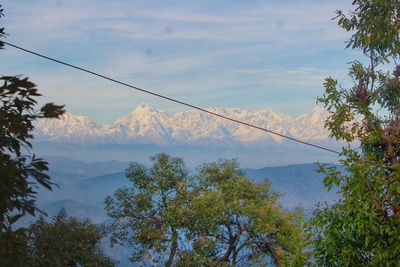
(143, 125)
(69, 127)
(151, 126)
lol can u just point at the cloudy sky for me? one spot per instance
(250, 54)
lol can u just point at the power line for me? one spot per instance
(170, 99)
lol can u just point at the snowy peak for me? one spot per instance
(143, 124)
(147, 125)
(143, 109)
(69, 126)
(317, 115)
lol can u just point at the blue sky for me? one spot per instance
(250, 54)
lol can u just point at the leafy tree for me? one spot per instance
(235, 221)
(149, 216)
(218, 218)
(20, 171)
(13, 249)
(65, 241)
(363, 228)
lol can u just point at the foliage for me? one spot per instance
(65, 241)
(13, 248)
(375, 25)
(20, 171)
(235, 221)
(2, 33)
(150, 215)
(363, 228)
(219, 218)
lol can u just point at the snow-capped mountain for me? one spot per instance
(69, 126)
(152, 126)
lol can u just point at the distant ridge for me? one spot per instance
(145, 125)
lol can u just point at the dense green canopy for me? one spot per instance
(363, 228)
(216, 218)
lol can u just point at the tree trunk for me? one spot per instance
(231, 248)
(174, 247)
(234, 257)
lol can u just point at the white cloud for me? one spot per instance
(256, 22)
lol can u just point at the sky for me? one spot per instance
(220, 53)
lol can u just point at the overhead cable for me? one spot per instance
(171, 99)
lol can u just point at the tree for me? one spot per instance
(363, 227)
(65, 241)
(235, 221)
(216, 218)
(149, 216)
(20, 171)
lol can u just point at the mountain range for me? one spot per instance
(146, 125)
